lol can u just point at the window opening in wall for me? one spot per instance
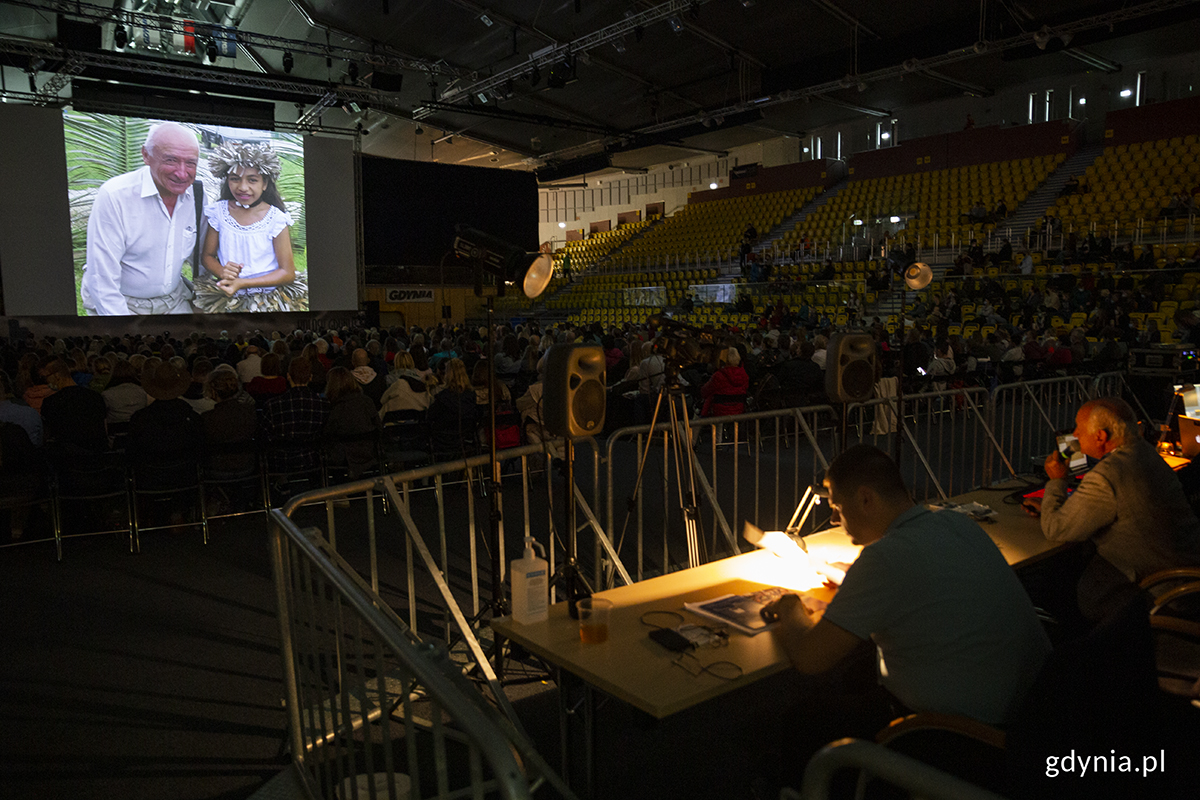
(1049, 104)
(839, 147)
(1031, 96)
(1137, 92)
(819, 151)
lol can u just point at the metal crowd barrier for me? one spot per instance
(750, 467)
(372, 710)
(1028, 415)
(946, 440)
(915, 778)
(437, 548)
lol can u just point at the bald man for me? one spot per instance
(1131, 505)
(142, 227)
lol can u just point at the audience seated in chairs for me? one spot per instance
(271, 383)
(724, 394)
(453, 415)
(231, 458)
(408, 389)
(352, 430)
(291, 425)
(373, 383)
(124, 394)
(164, 445)
(72, 415)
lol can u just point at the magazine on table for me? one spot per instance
(742, 612)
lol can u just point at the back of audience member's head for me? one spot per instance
(271, 366)
(339, 383)
(299, 372)
(456, 378)
(222, 384)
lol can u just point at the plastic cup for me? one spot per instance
(593, 619)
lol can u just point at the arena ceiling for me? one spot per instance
(570, 86)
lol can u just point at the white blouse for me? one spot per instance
(251, 246)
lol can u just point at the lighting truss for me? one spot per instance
(556, 53)
(1092, 60)
(1114, 18)
(101, 14)
(228, 80)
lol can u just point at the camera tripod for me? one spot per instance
(679, 439)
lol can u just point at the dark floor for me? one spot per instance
(140, 676)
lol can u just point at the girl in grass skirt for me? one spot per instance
(248, 249)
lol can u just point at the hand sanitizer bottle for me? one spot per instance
(530, 586)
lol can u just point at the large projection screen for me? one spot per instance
(37, 253)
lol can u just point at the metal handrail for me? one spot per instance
(497, 741)
(915, 777)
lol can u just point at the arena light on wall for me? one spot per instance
(509, 263)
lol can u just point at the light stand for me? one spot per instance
(507, 262)
(917, 276)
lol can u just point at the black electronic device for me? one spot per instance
(1163, 360)
(673, 640)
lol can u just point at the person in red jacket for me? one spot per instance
(725, 392)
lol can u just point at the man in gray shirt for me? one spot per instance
(1131, 504)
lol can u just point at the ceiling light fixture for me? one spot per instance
(289, 61)
(676, 24)
(1126, 92)
(486, 20)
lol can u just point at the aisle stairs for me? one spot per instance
(767, 242)
(1028, 213)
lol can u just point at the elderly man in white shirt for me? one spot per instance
(142, 227)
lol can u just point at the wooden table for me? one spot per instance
(633, 668)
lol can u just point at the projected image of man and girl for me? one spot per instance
(156, 244)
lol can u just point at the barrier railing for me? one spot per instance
(372, 710)
(460, 512)
(915, 778)
(1028, 415)
(946, 443)
(752, 467)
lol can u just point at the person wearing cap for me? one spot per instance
(168, 429)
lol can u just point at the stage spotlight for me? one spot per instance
(535, 76)
(352, 71)
(418, 130)
(917, 276)
(288, 62)
(120, 37)
(511, 264)
(211, 51)
(676, 24)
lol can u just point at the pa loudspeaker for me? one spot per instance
(573, 394)
(850, 368)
